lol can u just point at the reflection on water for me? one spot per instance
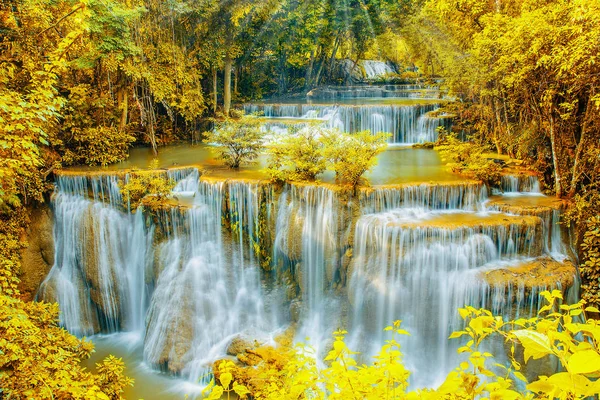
(398, 164)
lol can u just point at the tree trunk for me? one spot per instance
(124, 108)
(123, 101)
(319, 72)
(236, 72)
(227, 87)
(332, 58)
(557, 174)
(309, 71)
(580, 150)
(214, 88)
(498, 128)
(354, 64)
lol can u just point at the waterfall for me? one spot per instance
(464, 195)
(185, 295)
(189, 278)
(101, 253)
(309, 239)
(407, 124)
(520, 183)
(376, 69)
(420, 253)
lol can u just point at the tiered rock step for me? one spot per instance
(547, 208)
(544, 272)
(525, 204)
(450, 240)
(104, 185)
(459, 194)
(514, 289)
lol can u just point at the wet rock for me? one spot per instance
(170, 335)
(294, 236)
(295, 310)
(38, 257)
(240, 344)
(88, 323)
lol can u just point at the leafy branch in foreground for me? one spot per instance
(555, 332)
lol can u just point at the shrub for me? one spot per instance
(150, 189)
(238, 139)
(351, 155)
(590, 267)
(298, 156)
(40, 360)
(468, 159)
(100, 145)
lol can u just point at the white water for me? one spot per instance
(185, 296)
(418, 251)
(406, 123)
(376, 69)
(520, 184)
(183, 286)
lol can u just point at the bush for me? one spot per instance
(100, 145)
(299, 156)
(238, 139)
(590, 267)
(351, 155)
(468, 159)
(40, 360)
(89, 133)
(150, 189)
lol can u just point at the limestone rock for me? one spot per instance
(240, 344)
(295, 310)
(37, 259)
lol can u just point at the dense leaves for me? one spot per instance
(528, 73)
(555, 333)
(307, 152)
(238, 140)
(299, 155)
(39, 360)
(351, 156)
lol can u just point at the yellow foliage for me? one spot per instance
(550, 334)
(40, 360)
(467, 158)
(146, 188)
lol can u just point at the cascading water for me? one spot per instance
(375, 91)
(186, 280)
(466, 195)
(185, 292)
(409, 114)
(96, 273)
(309, 239)
(407, 124)
(520, 184)
(376, 69)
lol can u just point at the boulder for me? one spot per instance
(38, 257)
(240, 344)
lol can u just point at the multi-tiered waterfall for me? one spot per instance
(232, 257)
(407, 112)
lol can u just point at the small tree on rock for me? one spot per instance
(351, 155)
(238, 139)
(299, 156)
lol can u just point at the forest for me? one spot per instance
(303, 119)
